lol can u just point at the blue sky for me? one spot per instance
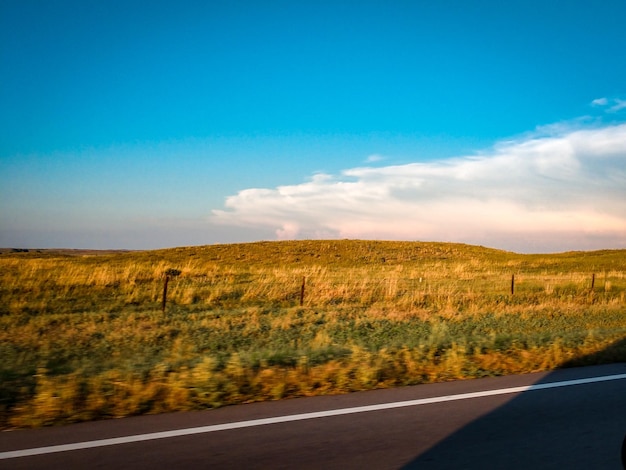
(125, 124)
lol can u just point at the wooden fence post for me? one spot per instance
(302, 292)
(593, 280)
(169, 273)
(512, 284)
(167, 278)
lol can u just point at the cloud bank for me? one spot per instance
(556, 192)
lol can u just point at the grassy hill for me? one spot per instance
(83, 334)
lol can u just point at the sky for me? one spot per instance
(141, 125)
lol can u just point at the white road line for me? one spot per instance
(296, 417)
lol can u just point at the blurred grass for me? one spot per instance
(82, 336)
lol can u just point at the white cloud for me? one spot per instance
(616, 104)
(600, 102)
(619, 104)
(374, 158)
(558, 192)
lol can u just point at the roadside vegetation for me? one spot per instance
(84, 336)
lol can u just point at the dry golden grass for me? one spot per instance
(84, 337)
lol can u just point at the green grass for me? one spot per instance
(83, 336)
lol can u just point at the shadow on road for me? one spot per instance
(551, 436)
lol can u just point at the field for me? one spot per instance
(84, 335)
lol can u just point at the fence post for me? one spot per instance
(512, 284)
(302, 292)
(169, 273)
(167, 278)
(593, 280)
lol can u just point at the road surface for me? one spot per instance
(571, 418)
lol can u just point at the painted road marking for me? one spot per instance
(297, 417)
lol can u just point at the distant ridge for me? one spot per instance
(299, 250)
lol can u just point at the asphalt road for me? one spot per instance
(497, 426)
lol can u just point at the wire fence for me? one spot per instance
(344, 288)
